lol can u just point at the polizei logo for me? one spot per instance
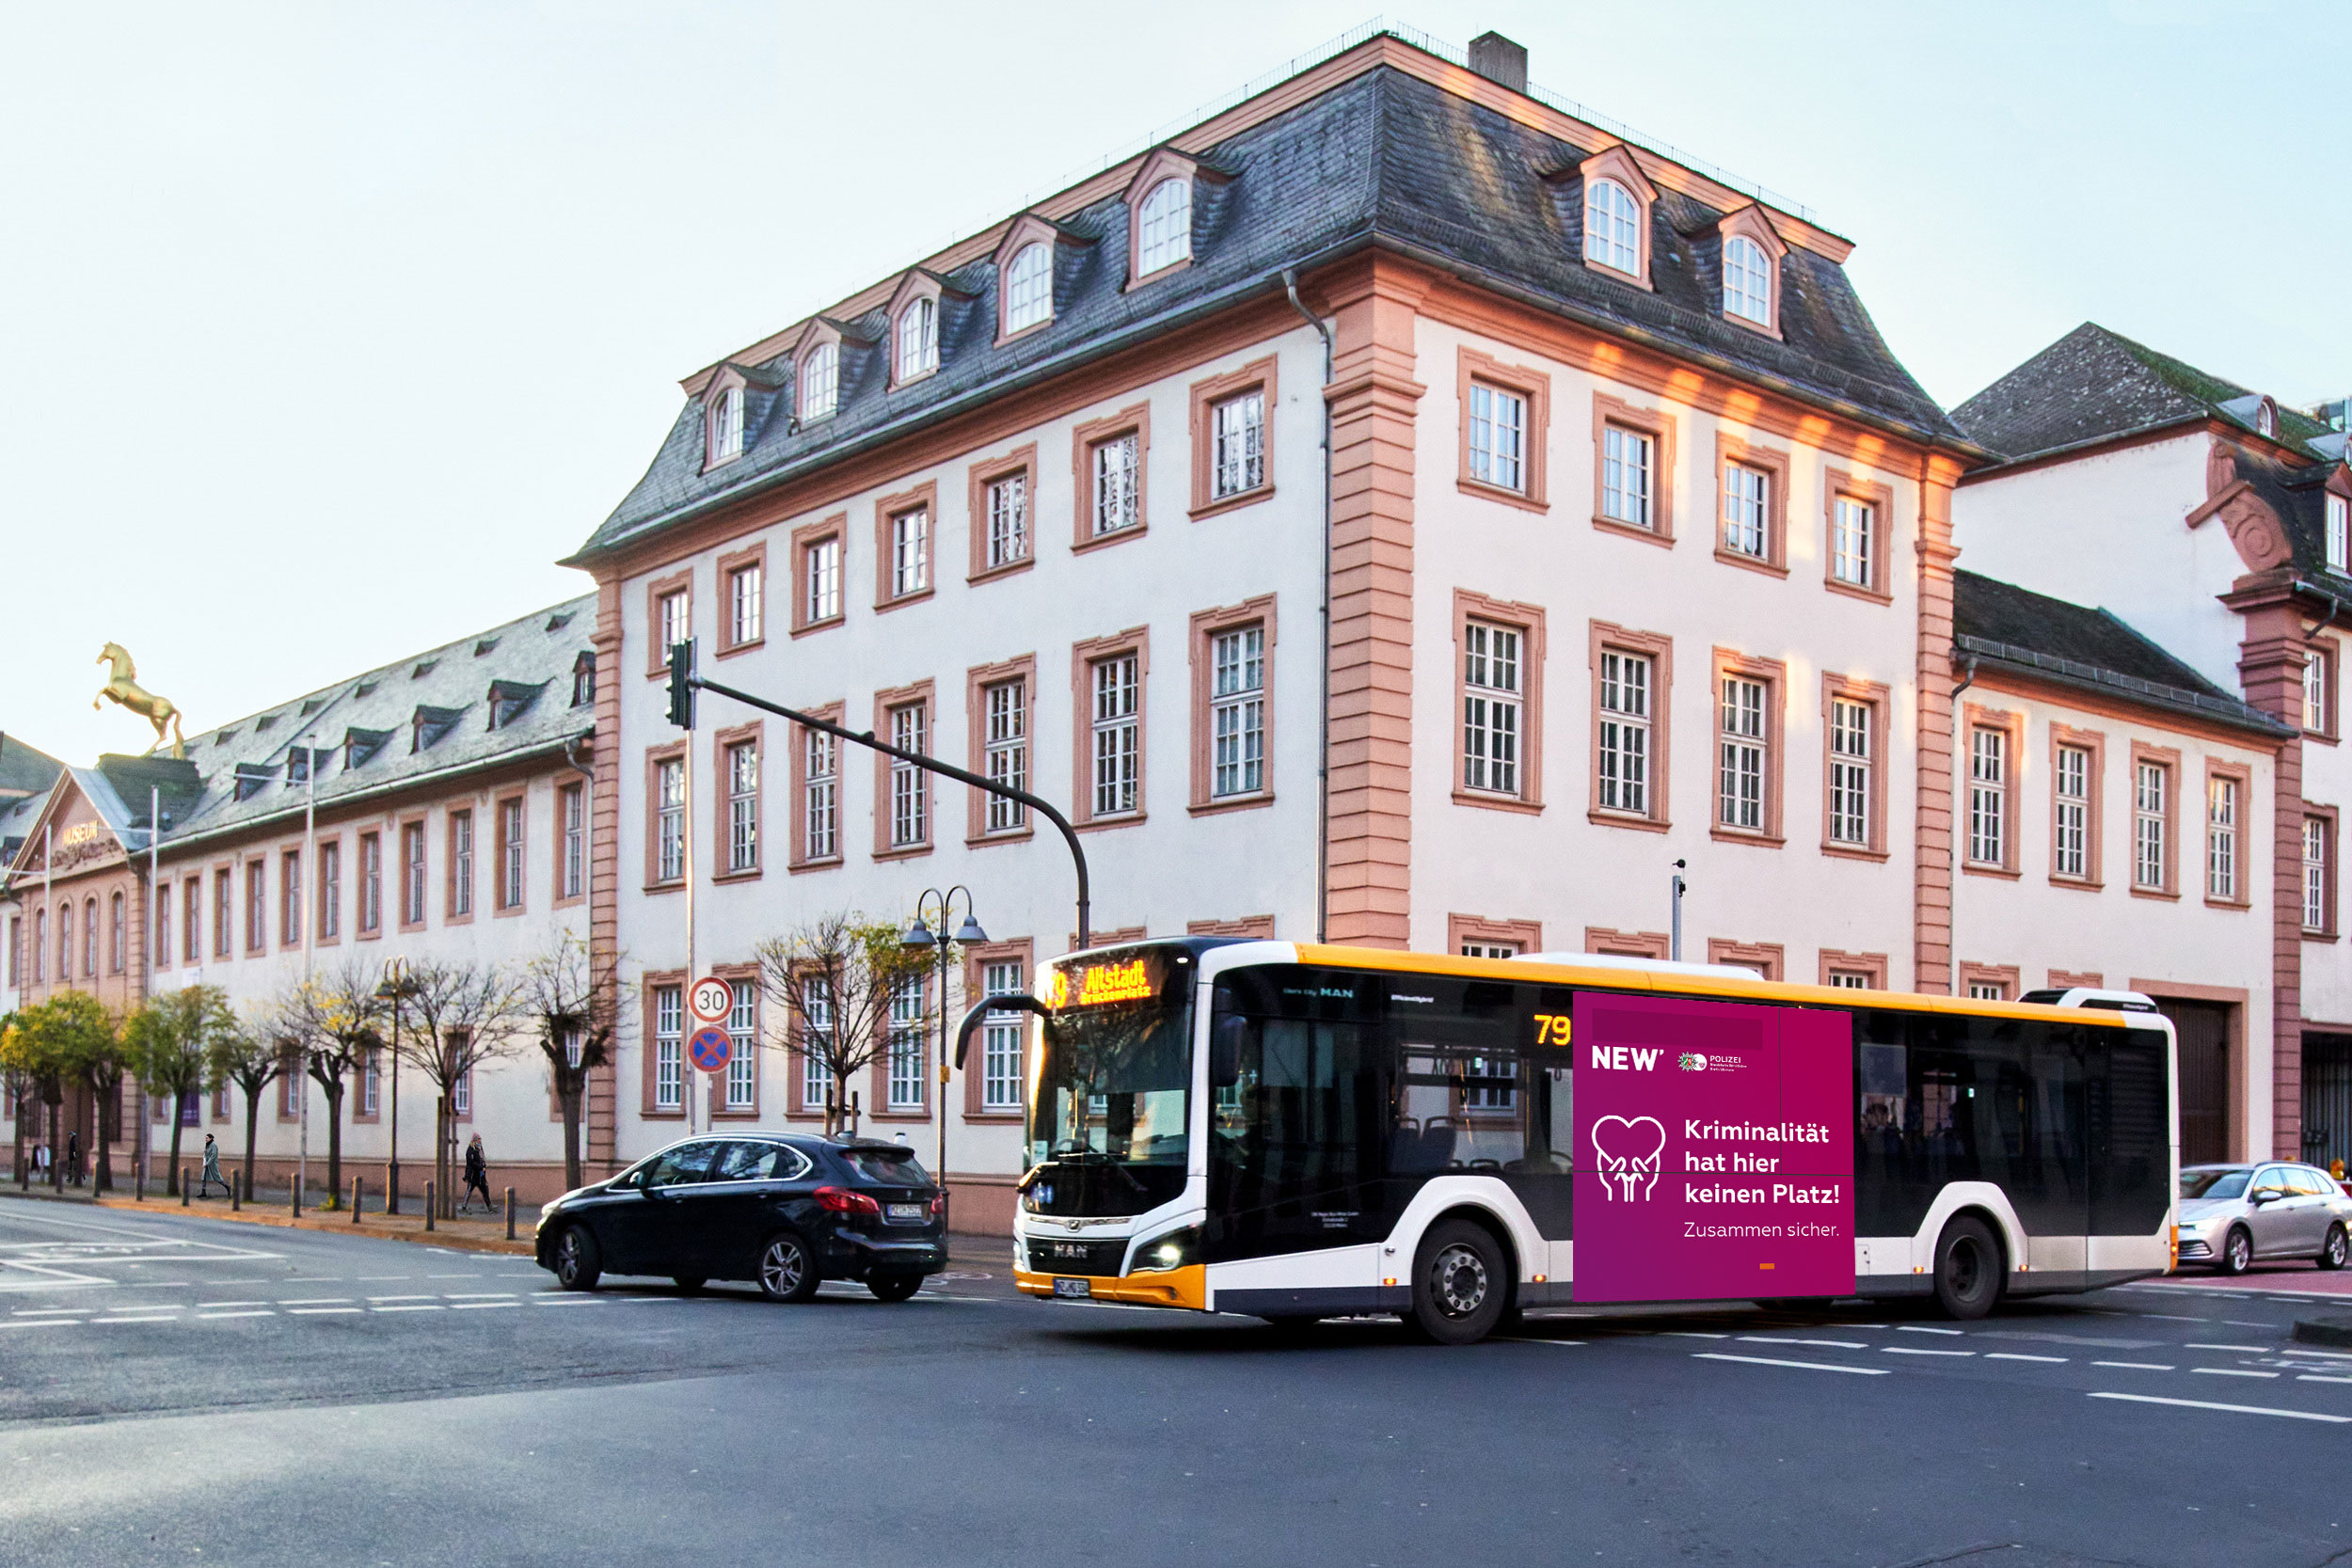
(1692, 1062)
(1630, 1151)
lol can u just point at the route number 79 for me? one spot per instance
(1551, 1029)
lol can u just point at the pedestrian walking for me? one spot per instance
(212, 1169)
(477, 1174)
(40, 1160)
(73, 1158)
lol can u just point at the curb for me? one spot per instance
(342, 1226)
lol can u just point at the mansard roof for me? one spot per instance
(1382, 159)
(2093, 650)
(2093, 384)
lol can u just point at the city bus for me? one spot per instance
(1298, 1132)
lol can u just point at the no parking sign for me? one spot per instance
(709, 1049)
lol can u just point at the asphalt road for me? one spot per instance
(193, 1392)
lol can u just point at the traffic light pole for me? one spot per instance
(683, 684)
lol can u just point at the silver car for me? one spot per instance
(2230, 1215)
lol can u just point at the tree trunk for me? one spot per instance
(171, 1175)
(441, 1122)
(252, 1119)
(334, 1144)
(56, 1149)
(16, 1135)
(568, 1088)
(105, 1180)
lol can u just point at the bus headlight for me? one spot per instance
(1171, 1250)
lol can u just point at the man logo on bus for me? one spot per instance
(1630, 1151)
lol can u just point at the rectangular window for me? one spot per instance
(371, 1083)
(1000, 1041)
(1498, 437)
(256, 911)
(2318, 688)
(1491, 698)
(746, 603)
(1237, 711)
(1741, 753)
(2149, 788)
(743, 1031)
(824, 580)
(906, 1046)
(222, 924)
(572, 808)
(1986, 991)
(743, 806)
(2222, 839)
(2316, 878)
(1117, 731)
(330, 890)
(1851, 524)
(2339, 525)
(371, 883)
(1008, 520)
(1237, 455)
(510, 850)
(1005, 712)
(192, 919)
(816, 1041)
(163, 932)
(910, 552)
(1988, 796)
(1850, 759)
(289, 1102)
(1117, 500)
(2070, 822)
(1624, 732)
(412, 874)
(669, 1022)
(677, 624)
(460, 864)
(910, 786)
(820, 797)
(1747, 510)
(1849, 979)
(669, 777)
(290, 898)
(1627, 473)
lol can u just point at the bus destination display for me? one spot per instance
(1714, 1149)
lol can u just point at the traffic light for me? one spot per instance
(682, 683)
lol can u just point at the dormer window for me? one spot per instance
(583, 680)
(1165, 227)
(918, 338)
(1747, 281)
(726, 425)
(1029, 287)
(2339, 526)
(821, 382)
(2267, 418)
(1611, 225)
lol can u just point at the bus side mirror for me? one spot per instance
(1225, 1049)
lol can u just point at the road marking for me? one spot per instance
(1915, 1328)
(2233, 1409)
(2136, 1365)
(420, 1307)
(1908, 1349)
(2229, 1371)
(377, 1278)
(45, 1322)
(320, 1311)
(2241, 1322)
(2012, 1355)
(221, 1316)
(1769, 1361)
(1506, 1339)
(46, 1311)
(1689, 1334)
(401, 1298)
(315, 1301)
(453, 1277)
(479, 1305)
(478, 1295)
(2175, 1317)
(2318, 1377)
(145, 1320)
(208, 1305)
(1820, 1344)
(552, 1300)
(2243, 1349)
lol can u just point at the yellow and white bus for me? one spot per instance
(1299, 1131)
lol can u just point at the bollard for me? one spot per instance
(138, 1183)
(183, 1189)
(355, 1200)
(510, 1214)
(294, 1187)
(235, 1191)
(392, 1190)
(428, 1206)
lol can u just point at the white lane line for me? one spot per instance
(1818, 1344)
(414, 1306)
(453, 1277)
(2229, 1371)
(2136, 1365)
(2241, 1322)
(208, 1305)
(45, 1322)
(2173, 1317)
(2243, 1349)
(401, 1298)
(377, 1278)
(1915, 1328)
(2233, 1409)
(1690, 1333)
(315, 1301)
(1506, 1339)
(1770, 1361)
(2013, 1356)
(479, 1305)
(567, 1300)
(321, 1311)
(142, 1319)
(48, 1311)
(1911, 1350)
(2319, 1377)
(222, 1317)
(479, 1295)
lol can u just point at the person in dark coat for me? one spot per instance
(73, 1158)
(211, 1169)
(477, 1174)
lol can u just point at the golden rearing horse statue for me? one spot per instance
(123, 688)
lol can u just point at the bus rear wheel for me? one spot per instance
(1967, 1270)
(1459, 1288)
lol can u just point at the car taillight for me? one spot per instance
(939, 1206)
(840, 1200)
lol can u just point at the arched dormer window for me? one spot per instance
(1029, 287)
(1164, 226)
(1747, 280)
(821, 382)
(2267, 418)
(1611, 225)
(918, 338)
(726, 425)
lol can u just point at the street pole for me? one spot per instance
(1680, 887)
(155, 958)
(302, 872)
(917, 936)
(686, 1071)
(396, 980)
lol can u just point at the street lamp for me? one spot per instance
(395, 989)
(918, 939)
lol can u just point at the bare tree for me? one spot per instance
(250, 1055)
(575, 1005)
(465, 1014)
(337, 1021)
(835, 978)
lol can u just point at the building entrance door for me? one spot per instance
(2203, 1032)
(2327, 1097)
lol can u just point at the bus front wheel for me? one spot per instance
(1459, 1286)
(1967, 1270)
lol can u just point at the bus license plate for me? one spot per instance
(1078, 1289)
(904, 1214)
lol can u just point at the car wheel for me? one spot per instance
(688, 1284)
(578, 1264)
(2238, 1251)
(1459, 1290)
(2338, 1246)
(1967, 1270)
(893, 1287)
(786, 1271)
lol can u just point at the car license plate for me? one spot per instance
(1079, 1289)
(904, 1214)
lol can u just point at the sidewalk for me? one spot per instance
(470, 1233)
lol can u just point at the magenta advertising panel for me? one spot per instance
(1714, 1149)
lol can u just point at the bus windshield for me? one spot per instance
(1109, 1121)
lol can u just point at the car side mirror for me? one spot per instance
(1225, 1048)
(2268, 1194)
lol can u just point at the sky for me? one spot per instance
(327, 328)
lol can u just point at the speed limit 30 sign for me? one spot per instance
(712, 1000)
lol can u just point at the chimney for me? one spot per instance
(1498, 59)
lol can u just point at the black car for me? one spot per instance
(783, 1210)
